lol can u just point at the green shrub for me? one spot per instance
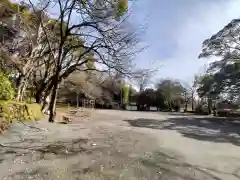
(6, 90)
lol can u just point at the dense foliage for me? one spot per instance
(40, 51)
(6, 90)
(222, 79)
(65, 59)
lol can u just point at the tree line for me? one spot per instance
(109, 92)
(39, 50)
(85, 49)
(221, 81)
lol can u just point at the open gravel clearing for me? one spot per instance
(123, 145)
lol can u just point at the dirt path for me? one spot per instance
(122, 145)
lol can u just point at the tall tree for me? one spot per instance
(99, 30)
(172, 90)
(143, 77)
(225, 45)
(20, 51)
(206, 89)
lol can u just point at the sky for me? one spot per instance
(175, 30)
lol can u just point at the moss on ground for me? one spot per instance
(13, 110)
(35, 110)
(64, 107)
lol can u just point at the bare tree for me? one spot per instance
(143, 77)
(79, 82)
(171, 89)
(188, 97)
(20, 51)
(98, 35)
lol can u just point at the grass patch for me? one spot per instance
(36, 110)
(13, 110)
(65, 107)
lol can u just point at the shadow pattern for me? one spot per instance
(220, 130)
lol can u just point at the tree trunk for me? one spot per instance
(185, 109)
(42, 93)
(23, 90)
(18, 80)
(46, 101)
(192, 101)
(209, 105)
(52, 106)
(186, 101)
(169, 106)
(38, 97)
(20, 86)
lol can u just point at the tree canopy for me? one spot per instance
(223, 74)
(41, 50)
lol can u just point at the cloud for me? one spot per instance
(176, 32)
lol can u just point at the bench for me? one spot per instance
(63, 118)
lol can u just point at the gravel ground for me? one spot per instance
(123, 145)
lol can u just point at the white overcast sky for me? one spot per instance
(176, 30)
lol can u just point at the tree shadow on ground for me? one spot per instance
(178, 167)
(155, 165)
(221, 130)
(109, 162)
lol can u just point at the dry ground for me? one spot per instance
(123, 145)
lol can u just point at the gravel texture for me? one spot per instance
(123, 145)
